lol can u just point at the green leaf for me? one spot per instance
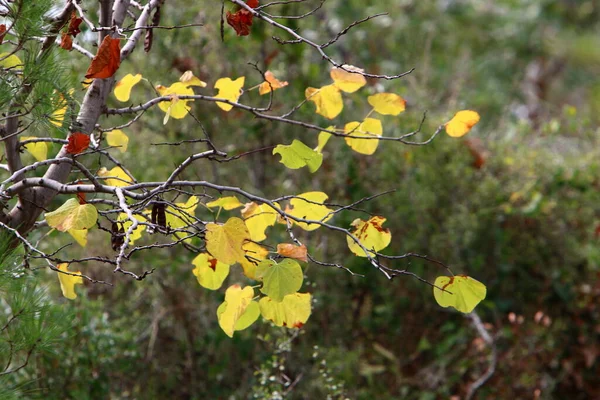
(298, 155)
(280, 279)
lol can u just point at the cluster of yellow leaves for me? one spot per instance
(282, 304)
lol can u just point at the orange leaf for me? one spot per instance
(241, 20)
(107, 60)
(78, 142)
(74, 23)
(66, 42)
(292, 251)
(271, 83)
(2, 32)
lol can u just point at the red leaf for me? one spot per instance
(107, 61)
(78, 142)
(2, 32)
(66, 42)
(241, 20)
(74, 25)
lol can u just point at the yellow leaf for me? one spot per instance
(258, 218)
(370, 234)
(115, 177)
(58, 115)
(11, 61)
(229, 90)
(209, 272)
(328, 100)
(370, 127)
(117, 138)
(39, 150)
(126, 223)
(292, 312)
(224, 242)
(80, 236)
(387, 103)
(309, 206)
(68, 282)
(72, 215)
(189, 79)
(462, 123)
(175, 108)
(323, 139)
(237, 301)
(227, 203)
(346, 81)
(271, 83)
(124, 86)
(254, 254)
(462, 292)
(181, 216)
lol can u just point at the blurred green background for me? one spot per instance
(515, 204)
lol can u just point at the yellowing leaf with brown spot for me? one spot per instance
(271, 83)
(115, 177)
(462, 123)
(229, 90)
(370, 234)
(224, 242)
(209, 272)
(258, 218)
(68, 282)
(254, 254)
(348, 79)
(387, 103)
(310, 206)
(124, 86)
(292, 312)
(370, 128)
(461, 292)
(117, 138)
(39, 150)
(292, 251)
(72, 215)
(227, 203)
(328, 100)
(231, 311)
(80, 236)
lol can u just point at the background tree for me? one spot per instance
(261, 178)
